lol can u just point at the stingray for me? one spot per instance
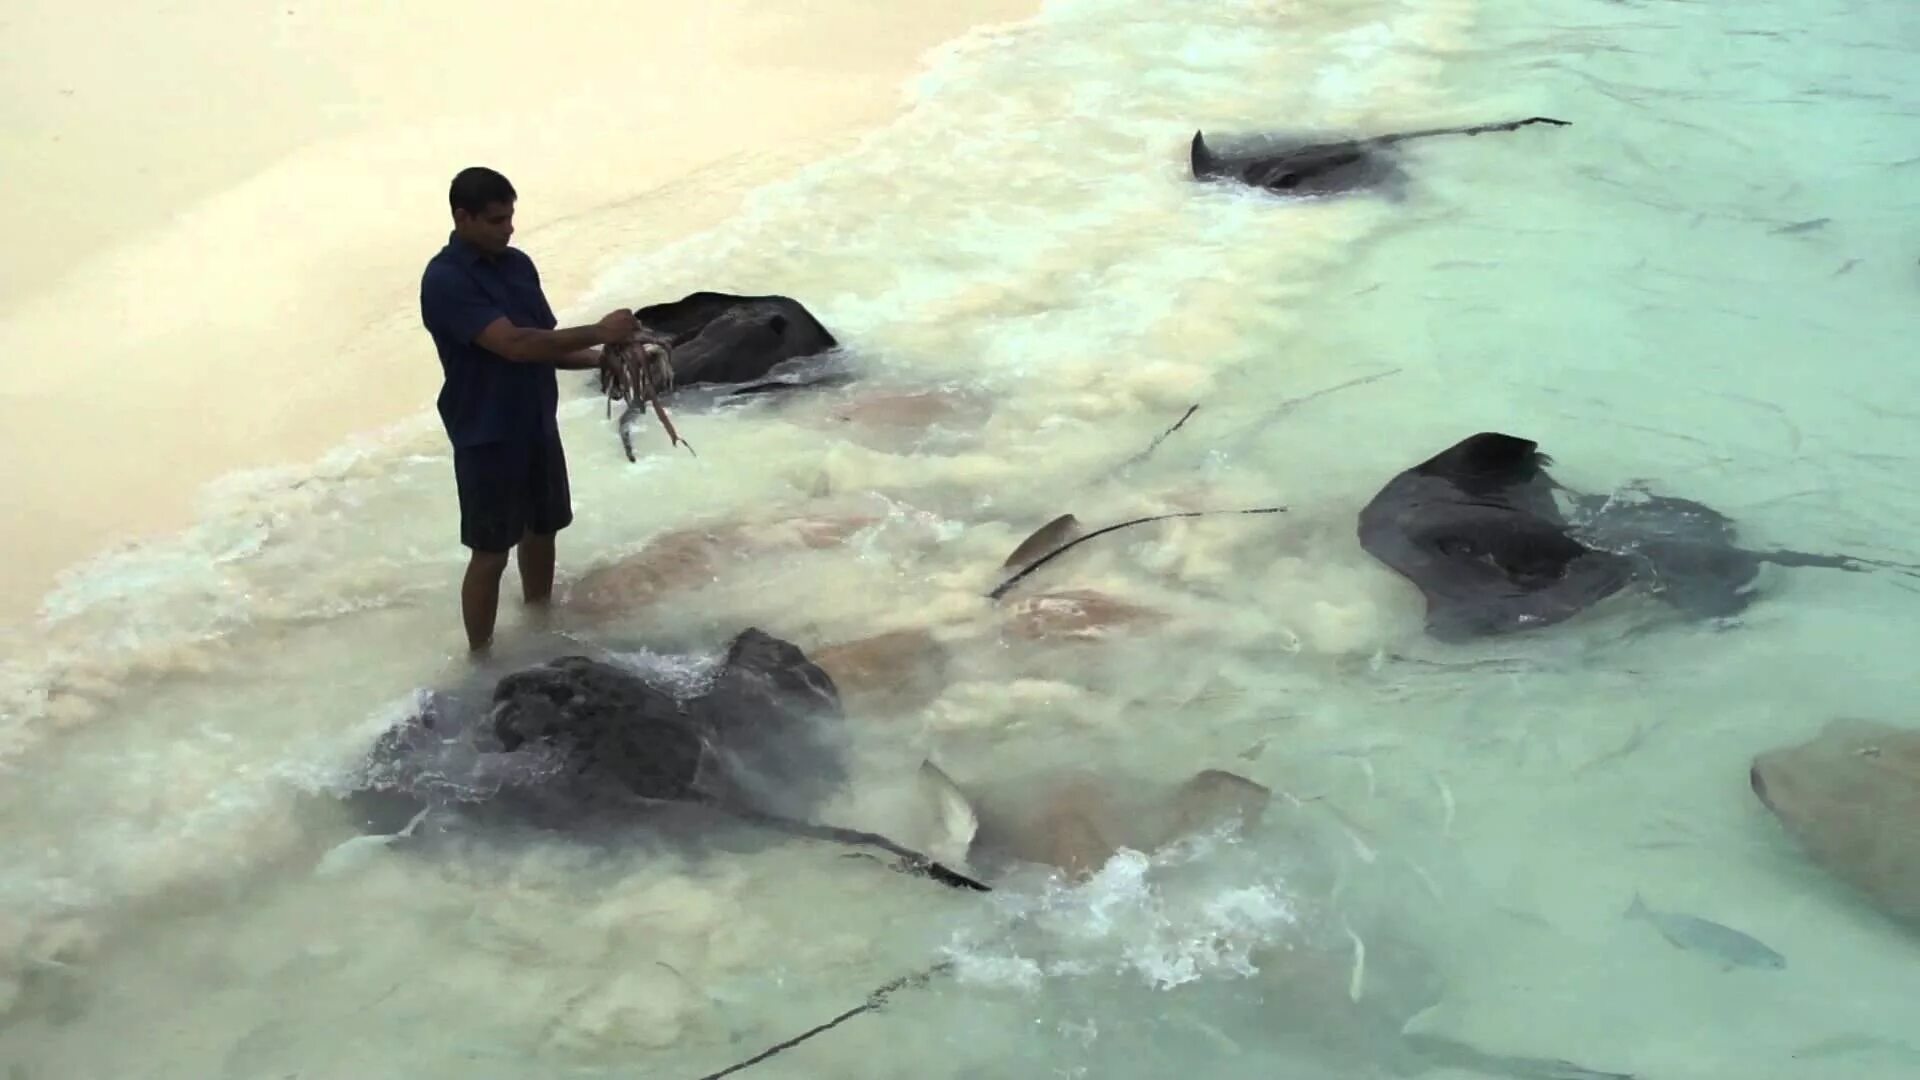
(1074, 821)
(1063, 534)
(589, 748)
(1335, 1000)
(1850, 798)
(1479, 530)
(727, 339)
(1293, 166)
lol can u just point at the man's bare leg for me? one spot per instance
(536, 567)
(480, 596)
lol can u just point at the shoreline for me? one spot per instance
(272, 318)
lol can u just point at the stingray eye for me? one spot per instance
(1287, 180)
(1458, 548)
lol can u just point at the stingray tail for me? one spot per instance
(910, 861)
(1836, 562)
(1476, 129)
(1001, 589)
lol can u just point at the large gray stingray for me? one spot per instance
(1295, 166)
(591, 748)
(1479, 530)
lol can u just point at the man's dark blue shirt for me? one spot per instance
(486, 398)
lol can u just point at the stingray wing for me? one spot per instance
(956, 823)
(1489, 570)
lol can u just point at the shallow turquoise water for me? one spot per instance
(1474, 820)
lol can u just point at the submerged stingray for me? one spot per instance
(1478, 530)
(1850, 797)
(1076, 821)
(1294, 167)
(1339, 1004)
(892, 673)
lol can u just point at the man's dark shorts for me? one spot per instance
(511, 488)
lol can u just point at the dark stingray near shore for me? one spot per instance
(1296, 166)
(1479, 530)
(591, 749)
(723, 338)
(726, 349)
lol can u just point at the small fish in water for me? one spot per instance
(1803, 226)
(1724, 943)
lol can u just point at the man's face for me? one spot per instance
(489, 230)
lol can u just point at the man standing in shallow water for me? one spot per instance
(481, 301)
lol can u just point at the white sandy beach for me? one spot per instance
(216, 213)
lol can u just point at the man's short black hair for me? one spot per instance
(478, 187)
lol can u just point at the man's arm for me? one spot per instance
(581, 360)
(456, 306)
(561, 348)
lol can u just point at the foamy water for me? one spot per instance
(1474, 820)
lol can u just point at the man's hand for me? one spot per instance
(617, 326)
